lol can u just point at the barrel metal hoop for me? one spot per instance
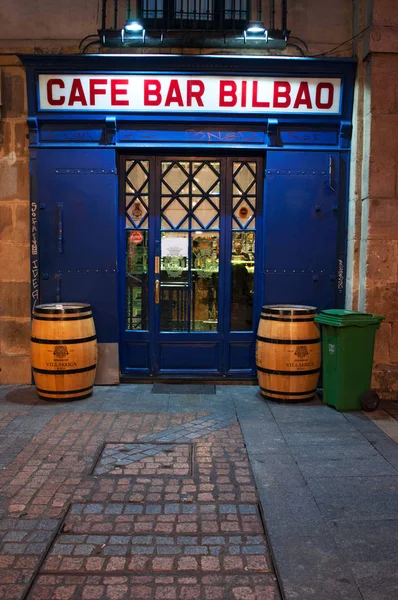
(86, 389)
(287, 393)
(273, 372)
(290, 342)
(65, 372)
(36, 317)
(285, 320)
(92, 338)
(309, 310)
(54, 396)
(60, 311)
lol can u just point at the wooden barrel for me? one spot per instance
(288, 353)
(64, 351)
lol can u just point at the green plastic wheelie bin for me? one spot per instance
(348, 339)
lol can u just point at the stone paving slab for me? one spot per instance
(305, 413)
(357, 498)
(183, 388)
(311, 568)
(357, 459)
(156, 587)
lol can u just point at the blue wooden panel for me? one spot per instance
(200, 136)
(77, 197)
(241, 355)
(296, 288)
(189, 357)
(299, 136)
(302, 212)
(71, 133)
(97, 289)
(138, 355)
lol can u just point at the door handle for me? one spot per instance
(157, 289)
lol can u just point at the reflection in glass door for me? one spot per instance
(190, 221)
(137, 242)
(244, 201)
(190, 237)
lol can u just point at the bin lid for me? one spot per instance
(347, 318)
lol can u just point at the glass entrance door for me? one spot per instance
(189, 251)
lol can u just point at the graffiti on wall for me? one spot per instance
(34, 256)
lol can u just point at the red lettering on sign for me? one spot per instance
(281, 94)
(152, 95)
(77, 93)
(228, 90)
(258, 103)
(244, 93)
(51, 100)
(174, 94)
(95, 91)
(195, 94)
(116, 91)
(303, 96)
(330, 95)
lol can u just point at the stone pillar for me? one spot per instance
(374, 204)
(14, 227)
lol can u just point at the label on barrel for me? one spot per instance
(60, 351)
(61, 360)
(301, 352)
(303, 357)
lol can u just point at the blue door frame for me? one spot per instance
(223, 353)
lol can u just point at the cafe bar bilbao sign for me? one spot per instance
(189, 93)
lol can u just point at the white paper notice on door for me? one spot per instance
(175, 246)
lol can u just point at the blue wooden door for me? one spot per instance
(76, 193)
(189, 254)
(305, 228)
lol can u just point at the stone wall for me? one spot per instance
(14, 227)
(380, 208)
(373, 227)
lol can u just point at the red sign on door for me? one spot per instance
(136, 237)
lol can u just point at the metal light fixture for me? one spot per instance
(133, 31)
(256, 28)
(271, 38)
(134, 26)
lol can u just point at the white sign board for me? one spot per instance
(189, 93)
(175, 247)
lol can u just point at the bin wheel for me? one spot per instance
(370, 401)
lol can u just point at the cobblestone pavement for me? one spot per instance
(133, 495)
(128, 505)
